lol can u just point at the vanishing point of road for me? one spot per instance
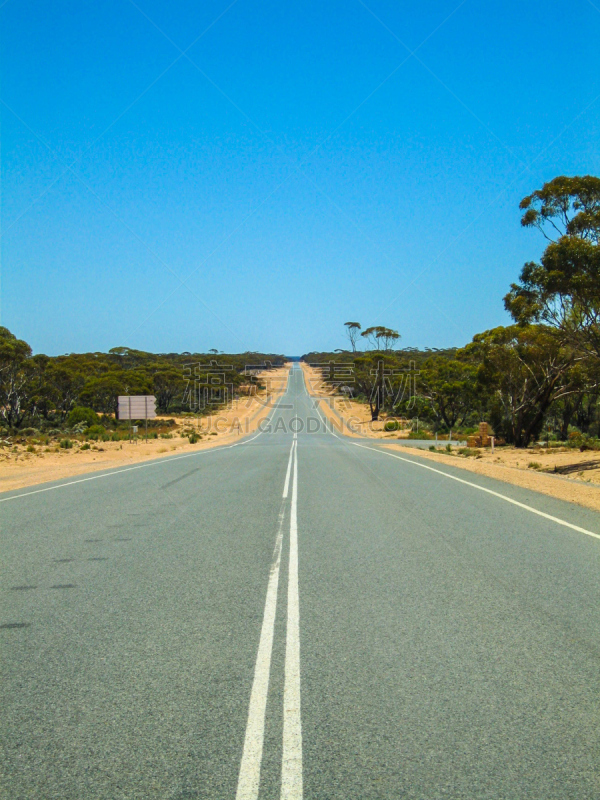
(299, 615)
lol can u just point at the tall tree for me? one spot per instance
(564, 289)
(450, 386)
(523, 370)
(15, 372)
(380, 337)
(352, 330)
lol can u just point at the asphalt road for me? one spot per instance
(298, 617)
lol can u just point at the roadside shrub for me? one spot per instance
(193, 438)
(166, 436)
(588, 443)
(85, 446)
(66, 444)
(419, 435)
(467, 451)
(391, 425)
(115, 437)
(30, 448)
(534, 465)
(82, 414)
(30, 432)
(95, 432)
(449, 448)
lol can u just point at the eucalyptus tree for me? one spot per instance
(563, 290)
(352, 331)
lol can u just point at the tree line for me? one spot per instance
(40, 391)
(537, 376)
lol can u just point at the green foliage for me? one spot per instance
(451, 388)
(522, 370)
(66, 444)
(193, 438)
(82, 414)
(16, 371)
(95, 430)
(380, 337)
(392, 425)
(563, 290)
(534, 465)
(85, 446)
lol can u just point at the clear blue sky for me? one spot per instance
(297, 166)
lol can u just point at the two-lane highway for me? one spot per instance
(298, 616)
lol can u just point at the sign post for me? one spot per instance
(141, 406)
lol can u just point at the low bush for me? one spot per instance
(193, 438)
(467, 451)
(66, 444)
(30, 432)
(85, 446)
(95, 432)
(30, 448)
(391, 425)
(97, 429)
(534, 465)
(82, 414)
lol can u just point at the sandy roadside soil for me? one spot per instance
(20, 468)
(355, 418)
(507, 464)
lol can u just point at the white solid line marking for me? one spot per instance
(291, 767)
(469, 483)
(249, 777)
(287, 474)
(158, 463)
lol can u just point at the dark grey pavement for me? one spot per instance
(449, 640)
